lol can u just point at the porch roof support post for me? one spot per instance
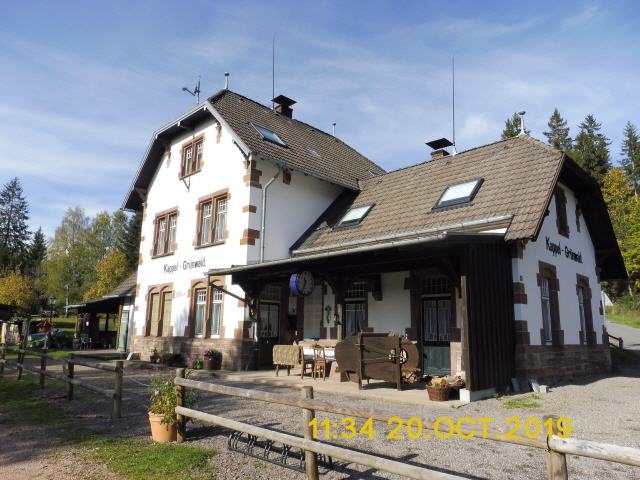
(464, 319)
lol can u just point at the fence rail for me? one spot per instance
(69, 364)
(619, 339)
(556, 447)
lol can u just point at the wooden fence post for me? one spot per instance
(310, 458)
(70, 377)
(25, 339)
(180, 398)
(43, 366)
(117, 390)
(556, 461)
(3, 355)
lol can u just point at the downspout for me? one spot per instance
(264, 211)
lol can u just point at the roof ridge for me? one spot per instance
(223, 91)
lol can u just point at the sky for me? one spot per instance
(83, 85)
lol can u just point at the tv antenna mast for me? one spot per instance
(453, 104)
(195, 92)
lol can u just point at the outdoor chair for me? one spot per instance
(320, 363)
(307, 360)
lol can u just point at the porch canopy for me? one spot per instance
(478, 264)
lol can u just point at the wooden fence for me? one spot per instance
(69, 366)
(556, 448)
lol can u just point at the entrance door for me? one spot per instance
(124, 331)
(436, 348)
(268, 333)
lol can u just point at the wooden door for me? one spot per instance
(436, 346)
(269, 315)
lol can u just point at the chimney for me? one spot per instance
(283, 105)
(439, 154)
(439, 148)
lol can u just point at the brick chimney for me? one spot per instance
(282, 105)
(439, 154)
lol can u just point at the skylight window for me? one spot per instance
(269, 136)
(459, 193)
(354, 216)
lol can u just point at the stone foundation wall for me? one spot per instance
(561, 363)
(236, 353)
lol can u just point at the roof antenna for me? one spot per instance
(273, 70)
(195, 92)
(226, 80)
(334, 128)
(453, 105)
(521, 115)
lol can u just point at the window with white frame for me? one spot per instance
(212, 221)
(200, 311)
(165, 233)
(216, 311)
(459, 193)
(221, 219)
(546, 310)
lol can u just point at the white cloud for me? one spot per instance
(582, 18)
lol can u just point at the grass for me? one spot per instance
(131, 458)
(68, 324)
(524, 402)
(628, 318)
(138, 459)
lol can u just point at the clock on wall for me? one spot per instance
(302, 283)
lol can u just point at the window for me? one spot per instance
(165, 235)
(154, 314)
(581, 309)
(192, 156)
(354, 216)
(159, 311)
(561, 212)
(269, 136)
(200, 311)
(459, 193)
(166, 313)
(355, 308)
(546, 311)
(216, 311)
(212, 224)
(583, 291)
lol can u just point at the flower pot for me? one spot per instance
(212, 363)
(161, 432)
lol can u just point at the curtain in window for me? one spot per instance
(205, 224)
(216, 312)
(201, 304)
(221, 219)
(173, 223)
(160, 241)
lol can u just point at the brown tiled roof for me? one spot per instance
(519, 176)
(126, 289)
(308, 149)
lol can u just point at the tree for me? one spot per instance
(630, 153)
(512, 127)
(131, 240)
(14, 231)
(36, 254)
(558, 134)
(17, 290)
(591, 149)
(110, 272)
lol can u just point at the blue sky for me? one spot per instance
(84, 84)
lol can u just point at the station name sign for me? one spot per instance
(556, 249)
(185, 265)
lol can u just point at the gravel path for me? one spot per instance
(602, 408)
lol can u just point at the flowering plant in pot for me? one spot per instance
(212, 359)
(163, 399)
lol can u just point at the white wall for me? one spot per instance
(393, 313)
(526, 269)
(223, 168)
(291, 209)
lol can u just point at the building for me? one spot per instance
(490, 259)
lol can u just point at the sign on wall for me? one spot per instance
(556, 249)
(185, 265)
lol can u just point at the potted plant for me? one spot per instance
(162, 408)
(212, 359)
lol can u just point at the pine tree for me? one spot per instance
(131, 240)
(36, 254)
(14, 231)
(558, 134)
(630, 152)
(512, 127)
(591, 149)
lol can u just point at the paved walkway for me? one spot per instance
(630, 335)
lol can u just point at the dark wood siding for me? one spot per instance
(490, 336)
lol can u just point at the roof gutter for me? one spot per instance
(348, 251)
(443, 228)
